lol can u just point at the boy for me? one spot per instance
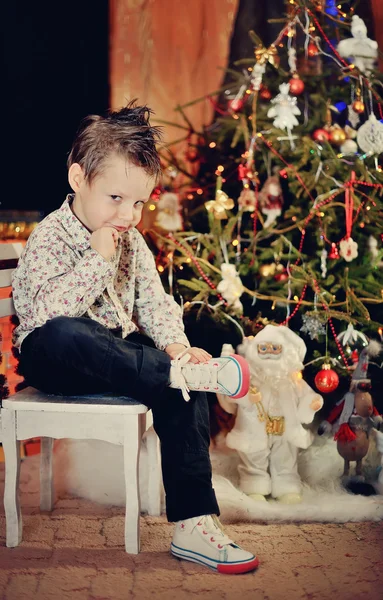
(84, 286)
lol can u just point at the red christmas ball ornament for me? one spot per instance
(334, 252)
(236, 104)
(265, 93)
(321, 135)
(326, 380)
(296, 86)
(312, 49)
(281, 276)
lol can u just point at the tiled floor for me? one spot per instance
(77, 553)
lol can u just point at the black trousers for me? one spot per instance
(72, 356)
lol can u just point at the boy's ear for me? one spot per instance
(75, 177)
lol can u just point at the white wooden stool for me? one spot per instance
(117, 420)
(31, 413)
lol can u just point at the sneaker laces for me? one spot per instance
(190, 373)
(211, 524)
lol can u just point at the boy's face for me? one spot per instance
(116, 196)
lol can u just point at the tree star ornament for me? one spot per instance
(220, 205)
(312, 326)
(230, 287)
(351, 336)
(370, 135)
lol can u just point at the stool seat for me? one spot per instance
(32, 399)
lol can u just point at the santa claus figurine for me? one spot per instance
(268, 428)
(352, 419)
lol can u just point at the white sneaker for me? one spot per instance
(228, 375)
(201, 540)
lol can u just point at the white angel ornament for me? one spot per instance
(359, 49)
(231, 287)
(284, 110)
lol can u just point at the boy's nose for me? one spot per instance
(126, 214)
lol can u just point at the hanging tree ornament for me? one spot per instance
(321, 135)
(247, 200)
(284, 111)
(349, 147)
(221, 204)
(271, 198)
(348, 247)
(312, 50)
(351, 336)
(337, 135)
(231, 287)
(265, 93)
(326, 380)
(256, 76)
(359, 49)
(353, 116)
(312, 326)
(334, 252)
(267, 55)
(370, 135)
(169, 212)
(323, 263)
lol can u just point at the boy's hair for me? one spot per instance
(126, 132)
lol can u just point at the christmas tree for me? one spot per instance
(283, 221)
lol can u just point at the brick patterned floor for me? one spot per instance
(77, 553)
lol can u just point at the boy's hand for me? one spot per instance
(197, 355)
(104, 241)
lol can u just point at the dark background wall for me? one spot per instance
(55, 71)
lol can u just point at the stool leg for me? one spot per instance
(13, 519)
(132, 441)
(154, 473)
(46, 471)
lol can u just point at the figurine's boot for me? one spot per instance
(292, 498)
(257, 497)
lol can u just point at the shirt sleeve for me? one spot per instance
(155, 311)
(60, 283)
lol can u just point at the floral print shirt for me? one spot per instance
(59, 274)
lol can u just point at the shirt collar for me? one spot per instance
(74, 227)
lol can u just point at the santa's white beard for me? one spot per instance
(272, 371)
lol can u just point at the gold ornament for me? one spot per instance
(337, 136)
(220, 205)
(267, 270)
(358, 106)
(264, 55)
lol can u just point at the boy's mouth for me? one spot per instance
(120, 229)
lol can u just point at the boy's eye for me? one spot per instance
(116, 198)
(139, 203)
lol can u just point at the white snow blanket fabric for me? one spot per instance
(94, 470)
